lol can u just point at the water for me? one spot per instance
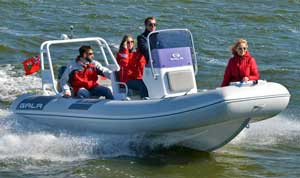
(267, 149)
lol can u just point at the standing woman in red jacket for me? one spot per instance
(242, 66)
(132, 65)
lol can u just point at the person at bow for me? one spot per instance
(242, 66)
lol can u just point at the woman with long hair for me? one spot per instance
(132, 65)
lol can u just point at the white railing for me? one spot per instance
(45, 48)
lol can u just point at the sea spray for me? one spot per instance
(14, 82)
(282, 129)
(21, 138)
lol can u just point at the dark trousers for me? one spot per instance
(96, 91)
(138, 85)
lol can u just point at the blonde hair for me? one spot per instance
(237, 43)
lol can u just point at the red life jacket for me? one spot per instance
(139, 65)
(85, 78)
(239, 67)
(131, 64)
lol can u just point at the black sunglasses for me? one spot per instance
(152, 24)
(244, 48)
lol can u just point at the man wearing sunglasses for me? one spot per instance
(150, 26)
(81, 75)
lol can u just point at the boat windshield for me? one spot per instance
(171, 48)
(170, 39)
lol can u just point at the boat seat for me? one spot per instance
(180, 81)
(61, 71)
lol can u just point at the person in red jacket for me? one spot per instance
(242, 66)
(81, 75)
(132, 65)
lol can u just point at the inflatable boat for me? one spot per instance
(176, 112)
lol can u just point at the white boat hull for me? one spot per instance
(203, 121)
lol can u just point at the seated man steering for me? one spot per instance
(81, 75)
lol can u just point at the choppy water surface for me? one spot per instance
(267, 149)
